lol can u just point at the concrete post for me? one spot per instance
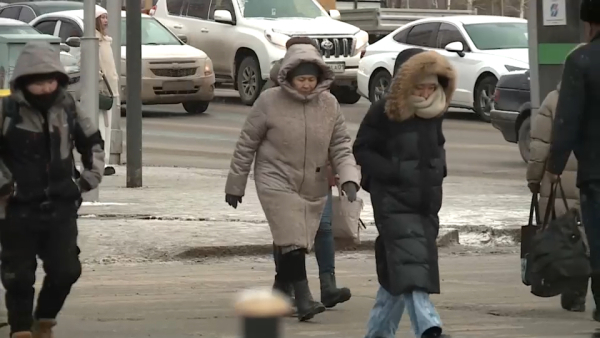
(134, 90)
(554, 30)
(90, 73)
(261, 312)
(114, 31)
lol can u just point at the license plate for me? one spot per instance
(338, 67)
(177, 85)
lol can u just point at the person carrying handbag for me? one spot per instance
(109, 84)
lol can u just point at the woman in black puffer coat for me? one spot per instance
(400, 148)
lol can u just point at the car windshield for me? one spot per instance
(18, 29)
(59, 8)
(275, 9)
(153, 33)
(500, 35)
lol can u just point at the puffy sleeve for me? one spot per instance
(541, 136)
(369, 141)
(252, 134)
(340, 151)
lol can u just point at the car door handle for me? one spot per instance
(177, 26)
(204, 30)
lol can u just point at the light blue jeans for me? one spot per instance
(388, 310)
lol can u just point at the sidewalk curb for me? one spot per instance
(451, 237)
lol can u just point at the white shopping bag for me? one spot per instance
(345, 220)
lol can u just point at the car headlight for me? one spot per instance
(513, 68)
(208, 67)
(362, 40)
(277, 39)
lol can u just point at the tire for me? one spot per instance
(525, 139)
(249, 80)
(484, 92)
(346, 95)
(379, 84)
(195, 107)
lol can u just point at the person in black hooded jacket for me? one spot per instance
(400, 147)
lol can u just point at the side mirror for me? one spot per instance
(74, 42)
(456, 47)
(64, 48)
(335, 14)
(183, 38)
(224, 16)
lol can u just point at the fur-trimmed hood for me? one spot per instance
(398, 106)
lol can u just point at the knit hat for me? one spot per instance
(404, 55)
(100, 11)
(590, 11)
(305, 69)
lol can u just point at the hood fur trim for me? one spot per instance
(398, 106)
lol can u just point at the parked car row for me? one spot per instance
(481, 48)
(173, 72)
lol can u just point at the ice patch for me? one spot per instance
(100, 204)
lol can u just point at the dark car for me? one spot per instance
(28, 10)
(511, 111)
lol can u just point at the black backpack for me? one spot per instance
(10, 108)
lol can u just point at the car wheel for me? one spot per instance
(525, 139)
(484, 97)
(249, 80)
(345, 94)
(379, 85)
(195, 107)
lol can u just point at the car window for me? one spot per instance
(174, 6)
(498, 35)
(46, 27)
(60, 7)
(420, 35)
(274, 9)
(401, 36)
(11, 12)
(153, 33)
(216, 5)
(448, 34)
(69, 29)
(27, 14)
(18, 29)
(197, 9)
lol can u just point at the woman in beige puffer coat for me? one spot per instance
(541, 137)
(109, 69)
(292, 131)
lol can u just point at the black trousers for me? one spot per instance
(25, 234)
(291, 266)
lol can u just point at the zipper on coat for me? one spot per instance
(47, 138)
(304, 173)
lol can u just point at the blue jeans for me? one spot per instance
(388, 310)
(324, 243)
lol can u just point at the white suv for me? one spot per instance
(244, 37)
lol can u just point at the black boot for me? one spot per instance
(306, 307)
(574, 299)
(330, 294)
(434, 332)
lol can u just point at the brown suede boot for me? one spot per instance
(42, 328)
(22, 334)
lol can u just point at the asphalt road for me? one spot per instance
(173, 138)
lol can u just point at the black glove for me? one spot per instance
(534, 188)
(350, 188)
(6, 190)
(84, 185)
(233, 200)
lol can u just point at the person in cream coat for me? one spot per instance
(109, 70)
